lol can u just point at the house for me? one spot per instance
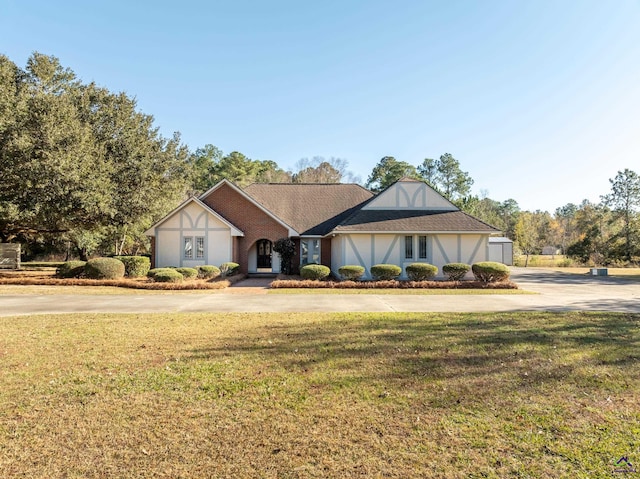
(331, 224)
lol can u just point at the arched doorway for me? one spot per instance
(264, 249)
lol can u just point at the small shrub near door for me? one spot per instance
(188, 273)
(135, 266)
(168, 275)
(71, 269)
(208, 272)
(490, 272)
(421, 271)
(314, 271)
(104, 268)
(455, 271)
(384, 272)
(351, 272)
(152, 272)
(229, 269)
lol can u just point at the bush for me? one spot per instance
(71, 269)
(455, 271)
(135, 266)
(490, 272)
(384, 272)
(152, 272)
(104, 268)
(208, 272)
(314, 271)
(351, 272)
(421, 271)
(168, 275)
(188, 273)
(229, 269)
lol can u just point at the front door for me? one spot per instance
(264, 254)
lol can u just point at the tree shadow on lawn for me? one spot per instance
(501, 351)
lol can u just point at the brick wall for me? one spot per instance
(251, 220)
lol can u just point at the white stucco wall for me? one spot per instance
(369, 249)
(409, 195)
(192, 221)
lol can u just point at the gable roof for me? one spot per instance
(312, 209)
(418, 217)
(413, 221)
(235, 231)
(291, 229)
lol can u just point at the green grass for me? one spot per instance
(319, 395)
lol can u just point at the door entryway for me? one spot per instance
(264, 250)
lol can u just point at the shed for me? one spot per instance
(501, 250)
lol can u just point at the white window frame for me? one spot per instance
(308, 254)
(199, 247)
(408, 247)
(187, 247)
(193, 252)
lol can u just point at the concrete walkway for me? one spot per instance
(554, 292)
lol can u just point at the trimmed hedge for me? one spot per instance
(152, 272)
(208, 271)
(455, 271)
(384, 272)
(104, 268)
(188, 273)
(351, 272)
(71, 269)
(135, 266)
(490, 272)
(168, 275)
(314, 271)
(421, 271)
(229, 269)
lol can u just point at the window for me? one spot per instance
(199, 247)
(310, 251)
(422, 247)
(408, 247)
(188, 248)
(187, 253)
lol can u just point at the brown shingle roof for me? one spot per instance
(310, 209)
(397, 220)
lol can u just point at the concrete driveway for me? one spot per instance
(553, 291)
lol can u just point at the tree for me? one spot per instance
(446, 177)
(387, 171)
(531, 232)
(624, 199)
(594, 238)
(81, 161)
(204, 164)
(286, 248)
(321, 170)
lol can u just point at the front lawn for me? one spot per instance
(319, 395)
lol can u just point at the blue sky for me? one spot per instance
(538, 100)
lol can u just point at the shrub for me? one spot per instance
(104, 268)
(455, 271)
(286, 248)
(71, 269)
(351, 272)
(188, 273)
(421, 271)
(490, 272)
(314, 271)
(229, 269)
(152, 272)
(384, 272)
(168, 275)
(135, 266)
(208, 271)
